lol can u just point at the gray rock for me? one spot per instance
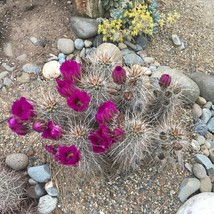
(132, 59)
(8, 50)
(31, 68)
(204, 160)
(148, 60)
(7, 81)
(61, 60)
(79, 44)
(61, 56)
(206, 185)
(197, 111)
(210, 125)
(201, 128)
(152, 67)
(182, 46)
(199, 204)
(34, 40)
(7, 67)
(212, 111)
(98, 40)
(65, 46)
(52, 191)
(3, 74)
(87, 43)
(190, 90)
(84, 28)
(195, 145)
(43, 43)
(17, 161)
(40, 173)
(206, 115)
(36, 191)
(201, 101)
(188, 187)
(211, 155)
(32, 182)
(47, 204)
(131, 45)
(208, 105)
(176, 40)
(142, 41)
(24, 78)
(211, 175)
(199, 171)
(201, 139)
(22, 58)
(205, 83)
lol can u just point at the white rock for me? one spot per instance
(198, 204)
(51, 70)
(65, 45)
(47, 204)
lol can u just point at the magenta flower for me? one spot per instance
(106, 112)
(79, 100)
(39, 125)
(119, 75)
(65, 87)
(23, 109)
(101, 139)
(52, 149)
(68, 155)
(70, 70)
(165, 80)
(119, 134)
(52, 131)
(17, 126)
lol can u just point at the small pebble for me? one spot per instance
(87, 43)
(22, 58)
(17, 161)
(32, 182)
(8, 67)
(8, 49)
(79, 44)
(7, 81)
(206, 115)
(206, 185)
(122, 46)
(176, 40)
(148, 60)
(181, 47)
(70, 56)
(199, 171)
(197, 111)
(47, 204)
(34, 40)
(152, 67)
(65, 45)
(3, 74)
(61, 60)
(201, 101)
(207, 144)
(195, 144)
(204, 160)
(208, 105)
(201, 139)
(210, 125)
(31, 68)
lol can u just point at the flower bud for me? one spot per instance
(128, 95)
(39, 125)
(165, 80)
(119, 75)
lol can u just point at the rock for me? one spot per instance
(210, 125)
(211, 175)
(201, 128)
(205, 151)
(188, 166)
(131, 45)
(22, 58)
(197, 111)
(7, 67)
(190, 90)
(34, 40)
(182, 46)
(188, 187)
(206, 185)
(152, 67)
(205, 83)
(17, 161)
(36, 191)
(98, 40)
(70, 56)
(65, 46)
(40, 173)
(8, 50)
(199, 204)
(51, 189)
(204, 160)
(32, 182)
(3, 74)
(176, 40)
(195, 145)
(47, 204)
(79, 44)
(31, 68)
(132, 59)
(211, 155)
(7, 81)
(206, 115)
(148, 60)
(199, 171)
(51, 70)
(84, 28)
(122, 46)
(43, 43)
(61, 56)
(201, 101)
(207, 144)
(209, 136)
(82, 53)
(138, 48)
(142, 41)
(61, 60)
(24, 78)
(87, 43)
(208, 105)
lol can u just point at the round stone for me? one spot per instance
(79, 44)
(51, 70)
(17, 161)
(201, 101)
(206, 185)
(65, 46)
(199, 171)
(88, 43)
(197, 111)
(47, 204)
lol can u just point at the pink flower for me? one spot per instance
(105, 112)
(79, 100)
(119, 75)
(65, 87)
(52, 149)
(119, 134)
(23, 109)
(70, 70)
(39, 125)
(68, 155)
(101, 139)
(165, 80)
(52, 131)
(17, 126)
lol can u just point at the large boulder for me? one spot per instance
(205, 83)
